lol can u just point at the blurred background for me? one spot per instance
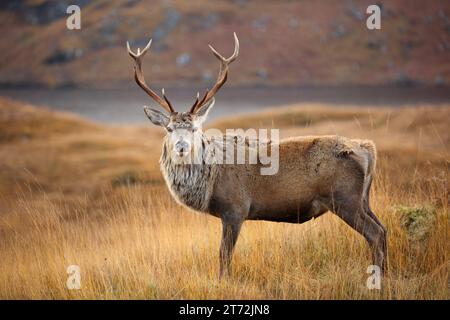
(291, 51)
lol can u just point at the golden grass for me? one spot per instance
(65, 200)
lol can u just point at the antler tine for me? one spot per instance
(233, 56)
(195, 103)
(202, 101)
(167, 100)
(140, 80)
(222, 76)
(139, 52)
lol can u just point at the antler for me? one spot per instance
(221, 78)
(139, 77)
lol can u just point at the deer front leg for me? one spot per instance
(230, 233)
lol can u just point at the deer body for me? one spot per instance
(313, 171)
(316, 174)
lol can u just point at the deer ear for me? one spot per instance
(202, 113)
(156, 117)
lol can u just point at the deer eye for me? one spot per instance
(169, 129)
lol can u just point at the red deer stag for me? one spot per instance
(316, 173)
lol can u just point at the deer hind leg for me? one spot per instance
(230, 233)
(352, 212)
(366, 202)
(370, 213)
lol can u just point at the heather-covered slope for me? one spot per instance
(282, 42)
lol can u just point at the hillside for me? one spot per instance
(282, 42)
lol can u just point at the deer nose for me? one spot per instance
(181, 146)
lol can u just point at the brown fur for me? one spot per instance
(316, 175)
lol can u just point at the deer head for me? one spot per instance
(184, 129)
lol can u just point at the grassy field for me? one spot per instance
(76, 192)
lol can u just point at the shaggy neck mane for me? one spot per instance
(190, 184)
